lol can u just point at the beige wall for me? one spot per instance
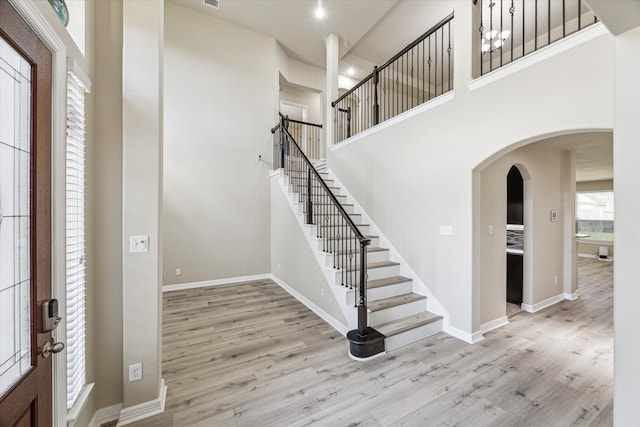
(541, 166)
(312, 100)
(104, 209)
(219, 107)
(419, 174)
(293, 261)
(595, 185)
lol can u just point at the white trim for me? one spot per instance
(366, 359)
(216, 282)
(78, 406)
(572, 297)
(543, 304)
(470, 338)
(73, 66)
(494, 324)
(569, 42)
(105, 415)
(145, 409)
(435, 102)
(338, 326)
(302, 107)
(39, 24)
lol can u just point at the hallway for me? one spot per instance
(249, 355)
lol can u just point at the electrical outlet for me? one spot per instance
(555, 280)
(490, 229)
(178, 271)
(135, 372)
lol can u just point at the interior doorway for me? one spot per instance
(515, 240)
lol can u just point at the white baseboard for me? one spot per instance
(494, 324)
(338, 326)
(106, 415)
(543, 304)
(145, 409)
(216, 282)
(470, 338)
(573, 296)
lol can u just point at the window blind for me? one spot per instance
(75, 238)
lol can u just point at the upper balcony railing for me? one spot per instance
(420, 72)
(512, 29)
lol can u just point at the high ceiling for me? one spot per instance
(368, 29)
(370, 32)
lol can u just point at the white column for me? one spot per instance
(626, 268)
(331, 91)
(142, 135)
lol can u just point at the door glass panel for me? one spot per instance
(15, 212)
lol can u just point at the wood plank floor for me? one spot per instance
(251, 355)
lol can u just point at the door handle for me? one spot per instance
(52, 347)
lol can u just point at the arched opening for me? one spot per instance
(551, 167)
(515, 239)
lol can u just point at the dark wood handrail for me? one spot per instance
(363, 240)
(410, 46)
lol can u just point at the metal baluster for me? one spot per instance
(523, 28)
(449, 54)
(535, 21)
(549, 23)
(511, 11)
(500, 35)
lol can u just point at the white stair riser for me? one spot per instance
(333, 231)
(300, 207)
(376, 256)
(374, 294)
(397, 312)
(374, 273)
(317, 243)
(412, 335)
(315, 200)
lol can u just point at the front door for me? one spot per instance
(25, 222)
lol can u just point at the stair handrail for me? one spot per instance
(371, 97)
(363, 328)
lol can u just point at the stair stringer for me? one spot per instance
(419, 287)
(343, 296)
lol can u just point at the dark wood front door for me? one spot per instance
(25, 222)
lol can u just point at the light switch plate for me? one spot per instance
(139, 244)
(446, 230)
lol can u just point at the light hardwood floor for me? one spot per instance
(251, 355)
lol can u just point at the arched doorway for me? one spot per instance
(515, 239)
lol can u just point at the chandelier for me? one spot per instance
(493, 40)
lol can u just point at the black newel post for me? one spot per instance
(376, 107)
(309, 200)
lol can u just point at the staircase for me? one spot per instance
(393, 308)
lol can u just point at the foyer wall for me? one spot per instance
(219, 107)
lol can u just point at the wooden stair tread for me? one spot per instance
(404, 324)
(372, 265)
(369, 249)
(387, 281)
(341, 238)
(394, 301)
(342, 225)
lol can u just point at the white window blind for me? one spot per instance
(75, 238)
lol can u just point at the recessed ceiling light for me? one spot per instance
(351, 71)
(319, 12)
